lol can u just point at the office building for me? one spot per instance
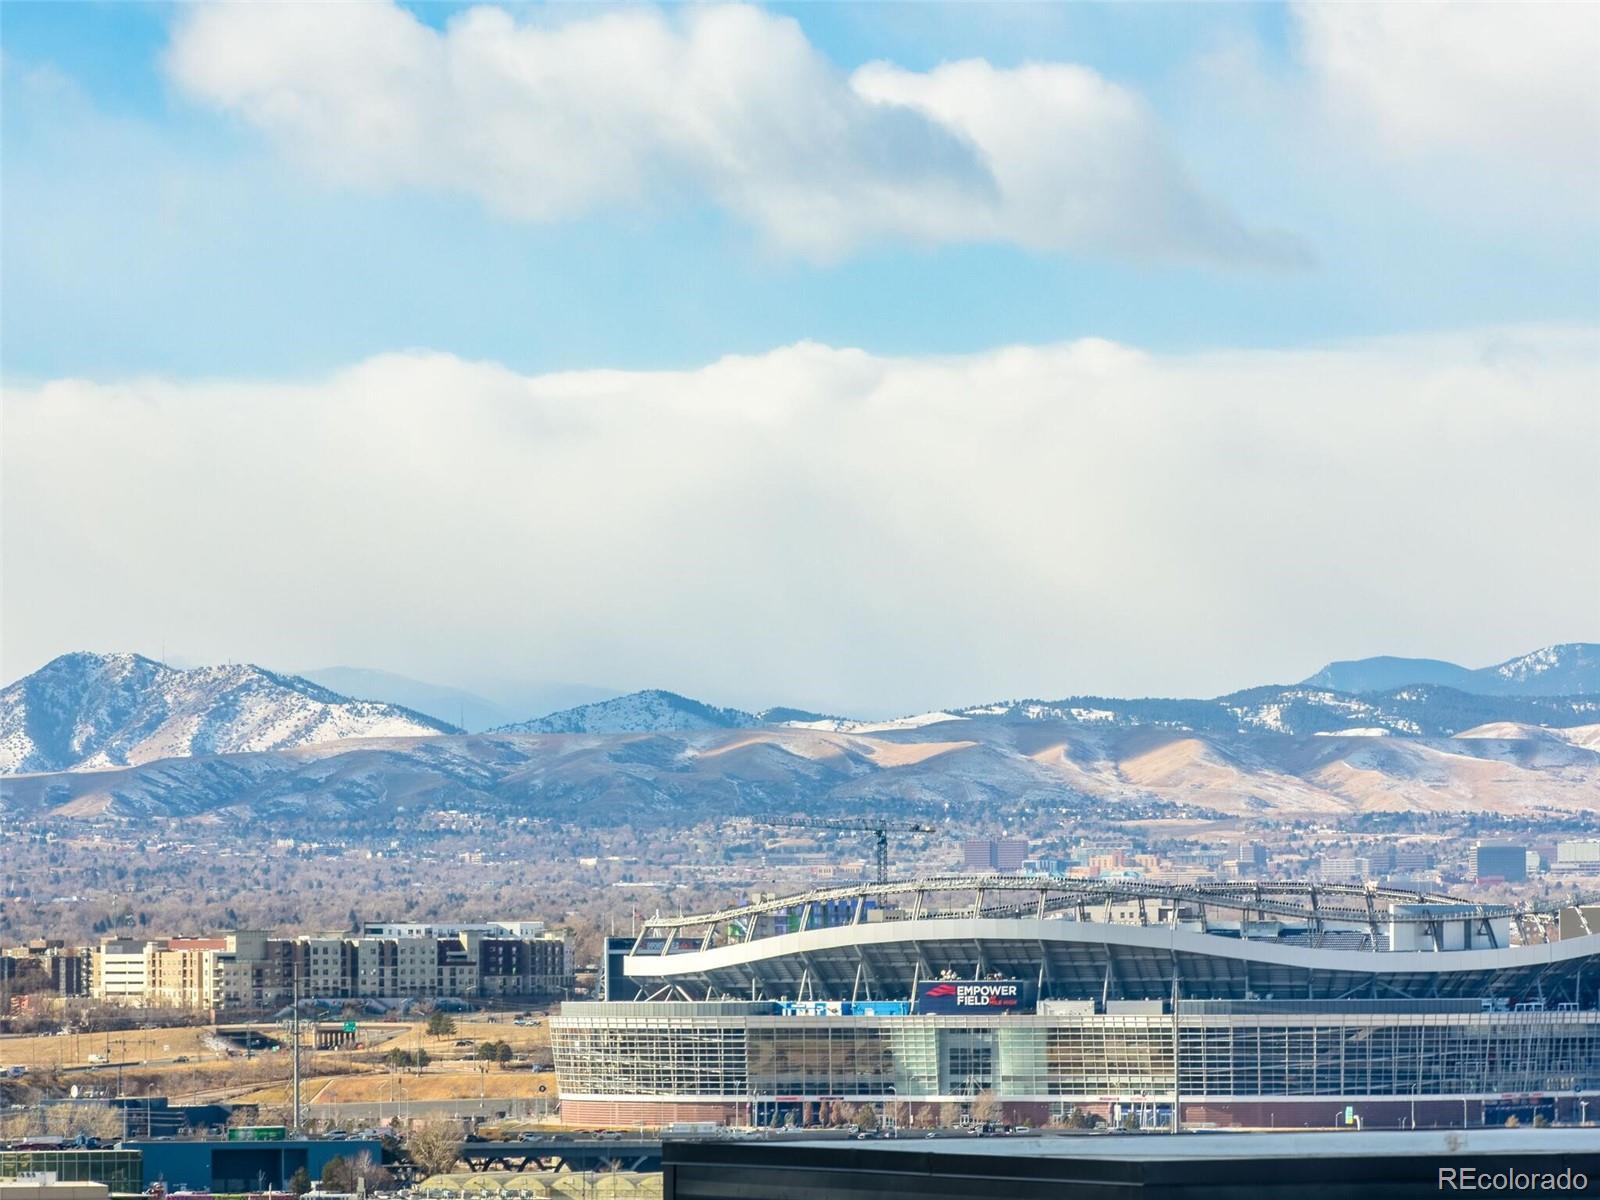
(994, 854)
(1500, 860)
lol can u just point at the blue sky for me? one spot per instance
(146, 231)
(1341, 261)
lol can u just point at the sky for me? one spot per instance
(868, 358)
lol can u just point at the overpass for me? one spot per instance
(562, 1151)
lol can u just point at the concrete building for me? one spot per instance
(1578, 856)
(1345, 870)
(1412, 862)
(118, 975)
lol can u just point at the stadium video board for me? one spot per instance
(970, 996)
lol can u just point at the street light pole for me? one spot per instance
(1177, 1098)
(294, 1027)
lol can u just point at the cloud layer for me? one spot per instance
(638, 109)
(1511, 86)
(824, 526)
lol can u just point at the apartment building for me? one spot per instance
(248, 970)
(118, 974)
(44, 965)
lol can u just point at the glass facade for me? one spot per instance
(119, 1170)
(1343, 1050)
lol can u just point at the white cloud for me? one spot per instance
(727, 105)
(1509, 86)
(825, 526)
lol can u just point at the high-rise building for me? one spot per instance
(994, 854)
(1250, 856)
(1500, 860)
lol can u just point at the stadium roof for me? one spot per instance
(1103, 939)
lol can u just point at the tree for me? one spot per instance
(502, 1053)
(83, 1120)
(949, 1115)
(867, 1117)
(486, 1051)
(420, 1059)
(435, 1147)
(376, 1176)
(441, 1024)
(397, 1058)
(300, 1183)
(337, 1176)
(986, 1107)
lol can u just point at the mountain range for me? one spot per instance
(1569, 669)
(87, 712)
(981, 767)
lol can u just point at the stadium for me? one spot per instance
(1049, 998)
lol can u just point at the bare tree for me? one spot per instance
(85, 1120)
(436, 1147)
(374, 1175)
(986, 1107)
(949, 1114)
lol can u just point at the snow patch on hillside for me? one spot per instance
(98, 711)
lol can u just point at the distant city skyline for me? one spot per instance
(861, 357)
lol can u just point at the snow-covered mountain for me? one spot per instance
(87, 711)
(651, 711)
(985, 765)
(1567, 669)
(1414, 711)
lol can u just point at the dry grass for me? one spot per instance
(522, 1039)
(358, 1071)
(128, 1046)
(403, 1086)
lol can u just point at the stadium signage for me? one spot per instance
(975, 995)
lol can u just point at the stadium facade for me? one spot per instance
(1265, 1004)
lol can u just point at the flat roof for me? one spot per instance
(1207, 1146)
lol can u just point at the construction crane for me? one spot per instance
(880, 829)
